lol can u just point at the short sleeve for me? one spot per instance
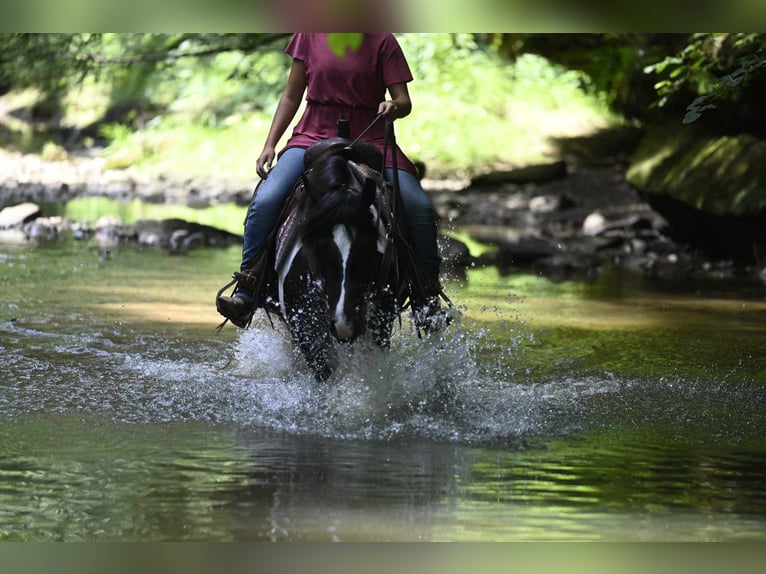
(393, 63)
(296, 48)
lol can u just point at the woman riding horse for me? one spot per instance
(337, 265)
(350, 87)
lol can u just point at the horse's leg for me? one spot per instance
(306, 315)
(317, 348)
(382, 313)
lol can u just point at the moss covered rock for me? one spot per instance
(711, 189)
(720, 175)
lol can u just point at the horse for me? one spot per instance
(337, 266)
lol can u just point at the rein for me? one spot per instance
(372, 123)
(389, 142)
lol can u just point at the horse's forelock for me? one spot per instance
(336, 193)
(332, 172)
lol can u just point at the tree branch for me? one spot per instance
(244, 43)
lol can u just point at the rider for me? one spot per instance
(351, 87)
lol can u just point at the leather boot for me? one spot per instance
(238, 308)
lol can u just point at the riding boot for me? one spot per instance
(430, 317)
(239, 307)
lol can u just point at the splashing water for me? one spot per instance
(460, 386)
(434, 388)
(408, 389)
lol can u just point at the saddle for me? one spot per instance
(360, 152)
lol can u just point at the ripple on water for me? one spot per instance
(434, 389)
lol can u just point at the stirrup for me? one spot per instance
(241, 321)
(246, 280)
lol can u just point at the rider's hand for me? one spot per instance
(388, 109)
(263, 165)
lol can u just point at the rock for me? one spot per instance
(13, 236)
(549, 203)
(526, 251)
(178, 236)
(17, 215)
(594, 224)
(597, 224)
(566, 266)
(46, 228)
(721, 175)
(711, 189)
(455, 255)
(107, 221)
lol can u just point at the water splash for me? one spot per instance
(466, 385)
(433, 388)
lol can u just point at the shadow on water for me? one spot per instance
(547, 412)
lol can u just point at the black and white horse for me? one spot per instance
(329, 255)
(337, 266)
(336, 255)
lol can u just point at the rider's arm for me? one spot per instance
(288, 105)
(399, 105)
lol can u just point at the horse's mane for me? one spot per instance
(334, 193)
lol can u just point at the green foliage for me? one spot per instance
(473, 109)
(202, 103)
(50, 62)
(711, 67)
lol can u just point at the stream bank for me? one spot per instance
(568, 219)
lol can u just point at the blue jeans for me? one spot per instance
(273, 192)
(267, 203)
(419, 219)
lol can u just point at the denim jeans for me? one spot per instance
(267, 204)
(420, 220)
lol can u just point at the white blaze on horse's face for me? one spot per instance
(343, 327)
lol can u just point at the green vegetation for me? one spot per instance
(715, 67)
(201, 104)
(473, 109)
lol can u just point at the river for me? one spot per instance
(614, 410)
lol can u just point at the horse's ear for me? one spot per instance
(369, 191)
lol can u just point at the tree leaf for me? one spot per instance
(691, 116)
(340, 43)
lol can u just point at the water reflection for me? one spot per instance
(81, 478)
(226, 216)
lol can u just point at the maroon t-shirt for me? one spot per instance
(348, 87)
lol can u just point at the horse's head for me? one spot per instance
(342, 238)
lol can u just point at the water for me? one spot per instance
(613, 410)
